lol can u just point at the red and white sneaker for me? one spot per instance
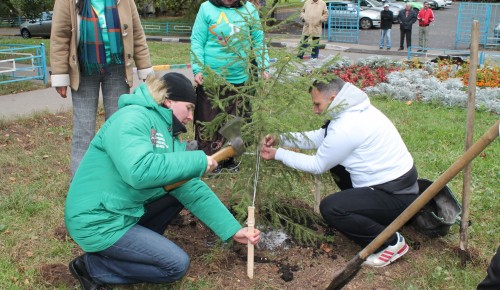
(389, 254)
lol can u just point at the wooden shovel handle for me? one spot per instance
(342, 276)
(220, 155)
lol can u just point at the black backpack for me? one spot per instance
(439, 214)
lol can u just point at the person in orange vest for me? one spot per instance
(425, 17)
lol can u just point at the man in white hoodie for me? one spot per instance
(367, 158)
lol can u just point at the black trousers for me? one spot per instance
(206, 112)
(362, 213)
(160, 213)
(492, 280)
(405, 33)
(304, 44)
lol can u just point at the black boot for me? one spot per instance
(78, 270)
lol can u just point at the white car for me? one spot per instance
(438, 4)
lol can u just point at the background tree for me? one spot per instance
(7, 9)
(32, 8)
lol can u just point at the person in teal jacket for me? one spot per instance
(117, 209)
(227, 35)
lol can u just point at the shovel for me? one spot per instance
(344, 275)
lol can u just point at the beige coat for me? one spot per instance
(313, 14)
(65, 34)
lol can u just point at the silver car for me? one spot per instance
(37, 27)
(496, 31)
(378, 6)
(344, 14)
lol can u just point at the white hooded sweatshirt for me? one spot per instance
(359, 137)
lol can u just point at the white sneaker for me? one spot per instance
(389, 254)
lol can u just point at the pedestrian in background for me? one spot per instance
(406, 18)
(313, 14)
(425, 17)
(93, 46)
(227, 35)
(386, 18)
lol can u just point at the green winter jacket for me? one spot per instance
(126, 166)
(222, 37)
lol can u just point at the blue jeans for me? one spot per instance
(143, 254)
(385, 36)
(85, 102)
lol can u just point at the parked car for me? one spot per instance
(344, 14)
(496, 31)
(415, 4)
(37, 27)
(437, 4)
(448, 3)
(379, 6)
(394, 3)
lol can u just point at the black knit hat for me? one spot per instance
(179, 88)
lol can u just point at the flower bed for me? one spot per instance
(442, 81)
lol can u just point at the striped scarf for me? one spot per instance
(91, 47)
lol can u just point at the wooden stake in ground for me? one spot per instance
(469, 134)
(317, 193)
(250, 255)
(344, 275)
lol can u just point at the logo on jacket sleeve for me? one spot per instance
(157, 139)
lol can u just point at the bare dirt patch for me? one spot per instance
(224, 266)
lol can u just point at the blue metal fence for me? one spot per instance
(168, 28)
(488, 15)
(22, 62)
(343, 22)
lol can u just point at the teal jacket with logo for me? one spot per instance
(223, 37)
(127, 164)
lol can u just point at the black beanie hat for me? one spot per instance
(179, 88)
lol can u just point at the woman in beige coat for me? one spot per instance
(313, 14)
(92, 53)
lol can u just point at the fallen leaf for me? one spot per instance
(325, 248)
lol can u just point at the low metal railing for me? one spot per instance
(22, 62)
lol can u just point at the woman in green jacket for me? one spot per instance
(226, 36)
(117, 209)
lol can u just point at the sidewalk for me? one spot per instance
(27, 103)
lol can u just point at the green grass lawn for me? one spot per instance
(35, 177)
